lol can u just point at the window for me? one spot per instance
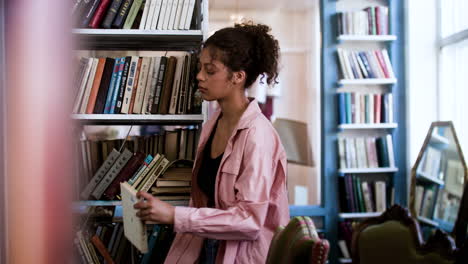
(453, 66)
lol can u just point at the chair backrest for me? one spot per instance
(298, 242)
(394, 237)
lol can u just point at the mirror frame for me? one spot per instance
(464, 199)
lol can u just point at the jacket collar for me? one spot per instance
(253, 109)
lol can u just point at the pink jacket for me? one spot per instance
(250, 196)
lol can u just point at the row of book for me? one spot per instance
(137, 85)
(175, 144)
(106, 243)
(360, 108)
(366, 152)
(359, 196)
(372, 20)
(370, 64)
(134, 14)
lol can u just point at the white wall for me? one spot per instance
(421, 52)
(298, 32)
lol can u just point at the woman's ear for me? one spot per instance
(239, 77)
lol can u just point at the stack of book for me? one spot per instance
(137, 85)
(134, 14)
(174, 185)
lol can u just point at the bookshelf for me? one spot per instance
(114, 43)
(334, 82)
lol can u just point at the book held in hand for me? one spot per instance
(134, 228)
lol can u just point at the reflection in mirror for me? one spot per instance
(438, 178)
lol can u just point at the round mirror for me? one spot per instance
(438, 178)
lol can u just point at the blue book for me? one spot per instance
(349, 115)
(110, 91)
(342, 107)
(117, 88)
(151, 243)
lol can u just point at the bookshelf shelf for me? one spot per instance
(428, 221)
(426, 177)
(368, 126)
(122, 119)
(372, 38)
(367, 81)
(97, 203)
(113, 39)
(368, 170)
(359, 215)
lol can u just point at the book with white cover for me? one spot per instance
(134, 228)
(175, 24)
(162, 14)
(175, 4)
(89, 85)
(144, 16)
(156, 14)
(84, 80)
(189, 14)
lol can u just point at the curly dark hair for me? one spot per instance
(246, 47)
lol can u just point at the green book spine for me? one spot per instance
(132, 14)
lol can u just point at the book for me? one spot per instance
(140, 170)
(135, 88)
(118, 97)
(83, 82)
(122, 14)
(111, 13)
(190, 11)
(156, 17)
(167, 86)
(132, 165)
(167, 190)
(154, 78)
(103, 87)
(99, 175)
(149, 79)
(134, 228)
(132, 14)
(130, 84)
(100, 14)
(144, 15)
(89, 12)
(172, 183)
(159, 83)
(112, 173)
(176, 86)
(97, 242)
(112, 85)
(141, 85)
(149, 169)
(167, 14)
(151, 179)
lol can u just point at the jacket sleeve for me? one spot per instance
(245, 219)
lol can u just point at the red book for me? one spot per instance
(96, 84)
(100, 14)
(97, 242)
(381, 60)
(377, 107)
(130, 168)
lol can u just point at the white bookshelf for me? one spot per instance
(369, 38)
(372, 81)
(359, 215)
(368, 126)
(368, 170)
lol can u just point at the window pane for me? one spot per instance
(454, 16)
(454, 89)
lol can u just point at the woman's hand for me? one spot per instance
(153, 209)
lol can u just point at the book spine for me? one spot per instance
(111, 174)
(99, 175)
(141, 85)
(157, 15)
(153, 177)
(88, 13)
(84, 80)
(122, 86)
(153, 81)
(142, 177)
(130, 83)
(190, 12)
(110, 16)
(145, 165)
(182, 105)
(100, 14)
(132, 14)
(130, 168)
(89, 85)
(122, 14)
(97, 242)
(159, 85)
(136, 87)
(146, 96)
(110, 90)
(118, 85)
(144, 16)
(104, 86)
(95, 87)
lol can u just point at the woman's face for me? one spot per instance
(214, 81)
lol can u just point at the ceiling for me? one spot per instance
(262, 4)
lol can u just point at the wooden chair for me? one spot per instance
(394, 237)
(298, 242)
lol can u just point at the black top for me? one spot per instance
(206, 178)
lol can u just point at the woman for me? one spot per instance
(239, 193)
